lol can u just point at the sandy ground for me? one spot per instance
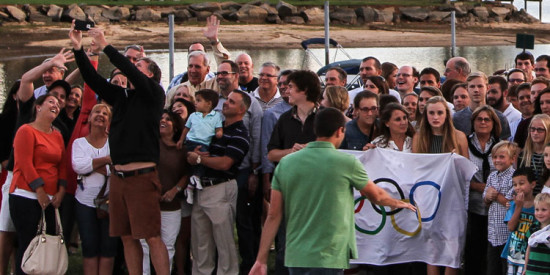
(20, 40)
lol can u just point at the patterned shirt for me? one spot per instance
(497, 230)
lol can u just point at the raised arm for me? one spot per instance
(211, 33)
(26, 89)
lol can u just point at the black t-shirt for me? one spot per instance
(250, 86)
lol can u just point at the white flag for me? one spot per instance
(437, 184)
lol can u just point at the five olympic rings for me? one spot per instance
(383, 213)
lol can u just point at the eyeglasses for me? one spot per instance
(223, 73)
(538, 130)
(483, 119)
(516, 80)
(367, 109)
(267, 75)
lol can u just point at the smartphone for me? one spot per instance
(83, 25)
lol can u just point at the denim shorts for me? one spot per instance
(94, 233)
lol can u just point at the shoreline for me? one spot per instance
(47, 39)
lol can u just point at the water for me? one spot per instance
(485, 58)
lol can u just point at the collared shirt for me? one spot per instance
(512, 115)
(462, 121)
(234, 144)
(316, 185)
(476, 204)
(203, 128)
(354, 139)
(276, 99)
(290, 130)
(502, 182)
(407, 145)
(252, 120)
(268, 123)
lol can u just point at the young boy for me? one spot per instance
(520, 219)
(202, 125)
(499, 185)
(537, 258)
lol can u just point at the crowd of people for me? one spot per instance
(221, 146)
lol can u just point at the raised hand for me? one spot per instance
(212, 27)
(61, 58)
(98, 36)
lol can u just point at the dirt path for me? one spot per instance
(34, 40)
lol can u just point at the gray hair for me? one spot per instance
(272, 65)
(463, 65)
(199, 53)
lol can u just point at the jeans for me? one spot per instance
(94, 233)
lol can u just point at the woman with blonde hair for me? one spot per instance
(336, 97)
(533, 152)
(437, 134)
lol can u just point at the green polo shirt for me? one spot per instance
(317, 186)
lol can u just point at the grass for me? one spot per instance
(187, 2)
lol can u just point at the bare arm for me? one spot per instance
(514, 220)
(271, 226)
(276, 155)
(378, 196)
(26, 88)
(99, 164)
(223, 163)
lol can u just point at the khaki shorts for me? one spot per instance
(134, 206)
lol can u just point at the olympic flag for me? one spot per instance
(437, 184)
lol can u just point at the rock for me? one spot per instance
(384, 15)
(273, 19)
(74, 12)
(55, 12)
(481, 13)
(500, 12)
(367, 14)
(314, 16)
(460, 11)
(255, 3)
(4, 16)
(206, 6)
(164, 12)
(182, 15)
(285, 9)
(36, 16)
(222, 14)
(414, 13)
(438, 16)
(202, 15)
(251, 14)
(233, 16)
(117, 13)
(148, 14)
(294, 20)
(343, 16)
(522, 17)
(16, 13)
(95, 14)
(230, 5)
(270, 10)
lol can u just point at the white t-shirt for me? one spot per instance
(82, 157)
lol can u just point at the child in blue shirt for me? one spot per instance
(202, 126)
(520, 219)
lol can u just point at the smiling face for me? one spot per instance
(437, 114)
(99, 117)
(370, 86)
(522, 185)
(524, 101)
(183, 93)
(267, 80)
(398, 123)
(410, 103)
(483, 123)
(180, 109)
(196, 69)
(60, 94)
(502, 160)
(166, 125)
(542, 213)
(51, 75)
(49, 109)
(367, 111)
(537, 131)
(405, 80)
(246, 68)
(547, 157)
(75, 98)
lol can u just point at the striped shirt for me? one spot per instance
(234, 144)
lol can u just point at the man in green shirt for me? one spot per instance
(314, 187)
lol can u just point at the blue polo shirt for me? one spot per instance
(203, 128)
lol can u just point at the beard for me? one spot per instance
(496, 103)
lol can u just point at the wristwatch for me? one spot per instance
(178, 188)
